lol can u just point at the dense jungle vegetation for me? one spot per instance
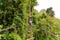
(14, 21)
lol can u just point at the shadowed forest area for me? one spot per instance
(20, 21)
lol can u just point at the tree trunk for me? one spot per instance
(30, 32)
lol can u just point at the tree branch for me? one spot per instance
(10, 29)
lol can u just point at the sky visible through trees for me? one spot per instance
(20, 21)
(44, 4)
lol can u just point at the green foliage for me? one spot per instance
(45, 27)
(11, 36)
(50, 11)
(15, 13)
(33, 2)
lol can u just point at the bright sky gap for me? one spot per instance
(44, 4)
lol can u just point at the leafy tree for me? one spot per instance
(50, 11)
(45, 27)
(14, 13)
(14, 23)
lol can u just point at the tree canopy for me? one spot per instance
(14, 25)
